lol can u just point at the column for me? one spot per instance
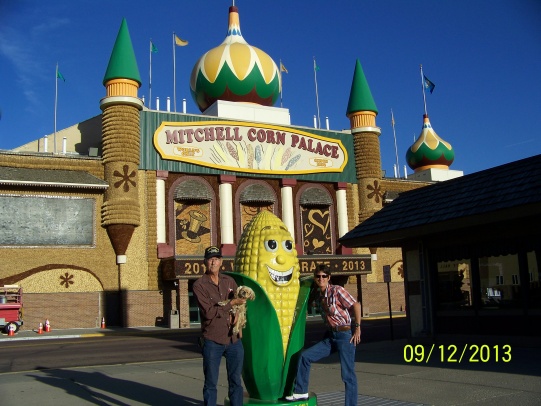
(288, 212)
(161, 176)
(342, 213)
(226, 214)
(342, 208)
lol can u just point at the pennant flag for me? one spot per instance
(153, 47)
(60, 76)
(180, 42)
(283, 68)
(316, 68)
(428, 84)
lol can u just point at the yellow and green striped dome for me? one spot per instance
(235, 71)
(429, 151)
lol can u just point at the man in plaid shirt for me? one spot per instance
(336, 305)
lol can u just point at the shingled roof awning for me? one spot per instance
(257, 194)
(192, 190)
(49, 178)
(315, 197)
(506, 194)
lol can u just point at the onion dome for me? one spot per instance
(429, 151)
(235, 71)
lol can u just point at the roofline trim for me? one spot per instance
(113, 100)
(52, 184)
(369, 129)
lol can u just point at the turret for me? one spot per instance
(362, 113)
(120, 142)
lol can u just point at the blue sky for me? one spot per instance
(483, 56)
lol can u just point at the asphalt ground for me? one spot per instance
(456, 370)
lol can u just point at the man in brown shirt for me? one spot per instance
(217, 329)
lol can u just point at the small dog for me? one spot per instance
(239, 311)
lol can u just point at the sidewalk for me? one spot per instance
(385, 378)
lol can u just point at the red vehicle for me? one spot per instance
(11, 303)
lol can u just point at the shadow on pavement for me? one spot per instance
(100, 389)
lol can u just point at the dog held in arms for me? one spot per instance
(239, 311)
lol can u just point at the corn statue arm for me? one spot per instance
(267, 373)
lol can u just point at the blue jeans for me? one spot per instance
(234, 358)
(333, 342)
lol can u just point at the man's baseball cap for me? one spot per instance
(212, 252)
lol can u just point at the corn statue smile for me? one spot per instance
(266, 261)
(279, 277)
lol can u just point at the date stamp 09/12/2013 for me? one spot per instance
(451, 353)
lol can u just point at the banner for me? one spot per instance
(249, 147)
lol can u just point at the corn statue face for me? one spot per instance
(266, 260)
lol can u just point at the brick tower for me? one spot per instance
(121, 144)
(362, 113)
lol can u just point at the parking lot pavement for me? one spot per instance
(389, 373)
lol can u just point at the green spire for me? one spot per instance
(122, 64)
(360, 97)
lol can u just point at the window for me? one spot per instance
(193, 219)
(534, 297)
(500, 282)
(316, 214)
(454, 285)
(253, 198)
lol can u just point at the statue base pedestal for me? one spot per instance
(311, 401)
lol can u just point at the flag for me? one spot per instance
(428, 84)
(283, 68)
(60, 76)
(180, 42)
(316, 68)
(153, 47)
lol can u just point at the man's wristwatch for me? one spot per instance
(356, 325)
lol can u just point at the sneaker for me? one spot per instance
(297, 396)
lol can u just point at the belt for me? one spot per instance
(340, 328)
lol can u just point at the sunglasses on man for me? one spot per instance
(322, 276)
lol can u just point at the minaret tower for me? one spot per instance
(362, 113)
(121, 144)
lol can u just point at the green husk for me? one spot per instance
(266, 374)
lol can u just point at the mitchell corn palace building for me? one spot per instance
(114, 226)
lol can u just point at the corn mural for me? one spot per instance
(266, 261)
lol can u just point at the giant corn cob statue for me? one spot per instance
(266, 253)
(266, 261)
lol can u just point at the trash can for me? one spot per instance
(174, 319)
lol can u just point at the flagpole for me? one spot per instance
(423, 86)
(317, 98)
(395, 147)
(174, 75)
(55, 105)
(150, 76)
(281, 87)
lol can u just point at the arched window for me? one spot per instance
(316, 221)
(253, 197)
(193, 219)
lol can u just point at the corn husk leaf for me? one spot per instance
(266, 375)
